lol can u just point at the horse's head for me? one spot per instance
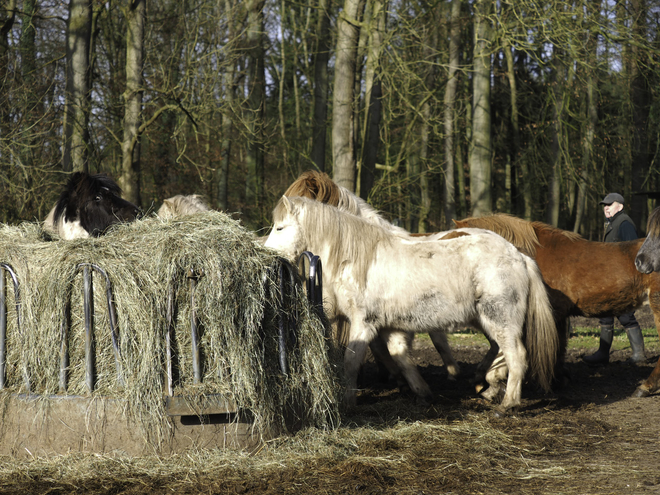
(95, 202)
(648, 256)
(286, 235)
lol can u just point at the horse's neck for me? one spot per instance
(372, 215)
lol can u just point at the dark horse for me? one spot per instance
(648, 256)
(88, 206)
(584, 278)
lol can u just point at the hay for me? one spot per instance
(145, 260)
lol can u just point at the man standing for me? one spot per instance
(618, 227)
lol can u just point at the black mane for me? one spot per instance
(95, 201)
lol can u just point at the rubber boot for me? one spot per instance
(602, 355)
(637, 344)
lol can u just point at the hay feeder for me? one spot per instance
(209, 341)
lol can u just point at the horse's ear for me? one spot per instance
(287, 204)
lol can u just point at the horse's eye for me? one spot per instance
(98, 198)
(279, 229)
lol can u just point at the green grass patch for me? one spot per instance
(589, 337)
(581, 338)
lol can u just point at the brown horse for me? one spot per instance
(584, 278)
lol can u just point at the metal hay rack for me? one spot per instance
(288, 278)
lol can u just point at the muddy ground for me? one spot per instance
(588, 438)
(604, 441)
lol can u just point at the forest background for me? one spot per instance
(430, 110)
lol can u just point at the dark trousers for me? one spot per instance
(628, 320)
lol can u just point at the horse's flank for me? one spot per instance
(586, 278)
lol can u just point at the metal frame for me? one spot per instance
(6, 267)
(309, 266)
(90, 341)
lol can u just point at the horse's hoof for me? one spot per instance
(499, 413)
(640, 392)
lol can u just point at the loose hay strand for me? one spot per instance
(145, 260)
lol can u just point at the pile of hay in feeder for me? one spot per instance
(146, 261)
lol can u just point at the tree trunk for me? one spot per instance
(30, 102)
(519, 163)
(640, 97)
(77, 107)
(321, 85)
(373, 94)
(227, 123)
(427, 110)
(591, 121)
(480, 146)
(129, 180)
(6, 24)
(255, 112)
(449, 117)
(343, 103)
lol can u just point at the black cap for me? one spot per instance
(611, 198)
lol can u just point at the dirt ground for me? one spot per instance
(589, 437)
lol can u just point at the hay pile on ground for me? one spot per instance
(145, 261)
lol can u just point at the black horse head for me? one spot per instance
(95, 202)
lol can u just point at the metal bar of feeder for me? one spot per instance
(64, 346)
(197, 368)
(112, 317)
(17, 299)
(88, 305)
(281, 324)
(313, 277)
(168, 342)
(3, 329)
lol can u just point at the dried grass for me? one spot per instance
(144, 261)
(404, 457)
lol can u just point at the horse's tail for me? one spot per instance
(541, 338)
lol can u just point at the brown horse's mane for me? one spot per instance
(315, 185)
(653, 224)
(519, 232)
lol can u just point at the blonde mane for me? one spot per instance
(351, 239)
(180, 205)
(519, 232)
(320, 187)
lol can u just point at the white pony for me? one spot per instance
(319, 186)
(383, 282)
(180, 205)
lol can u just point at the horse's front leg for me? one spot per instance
(361, 335)
(480, 379)
(439, 339)
(399, 344)
(652, 383)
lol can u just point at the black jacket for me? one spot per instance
(620, 228)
